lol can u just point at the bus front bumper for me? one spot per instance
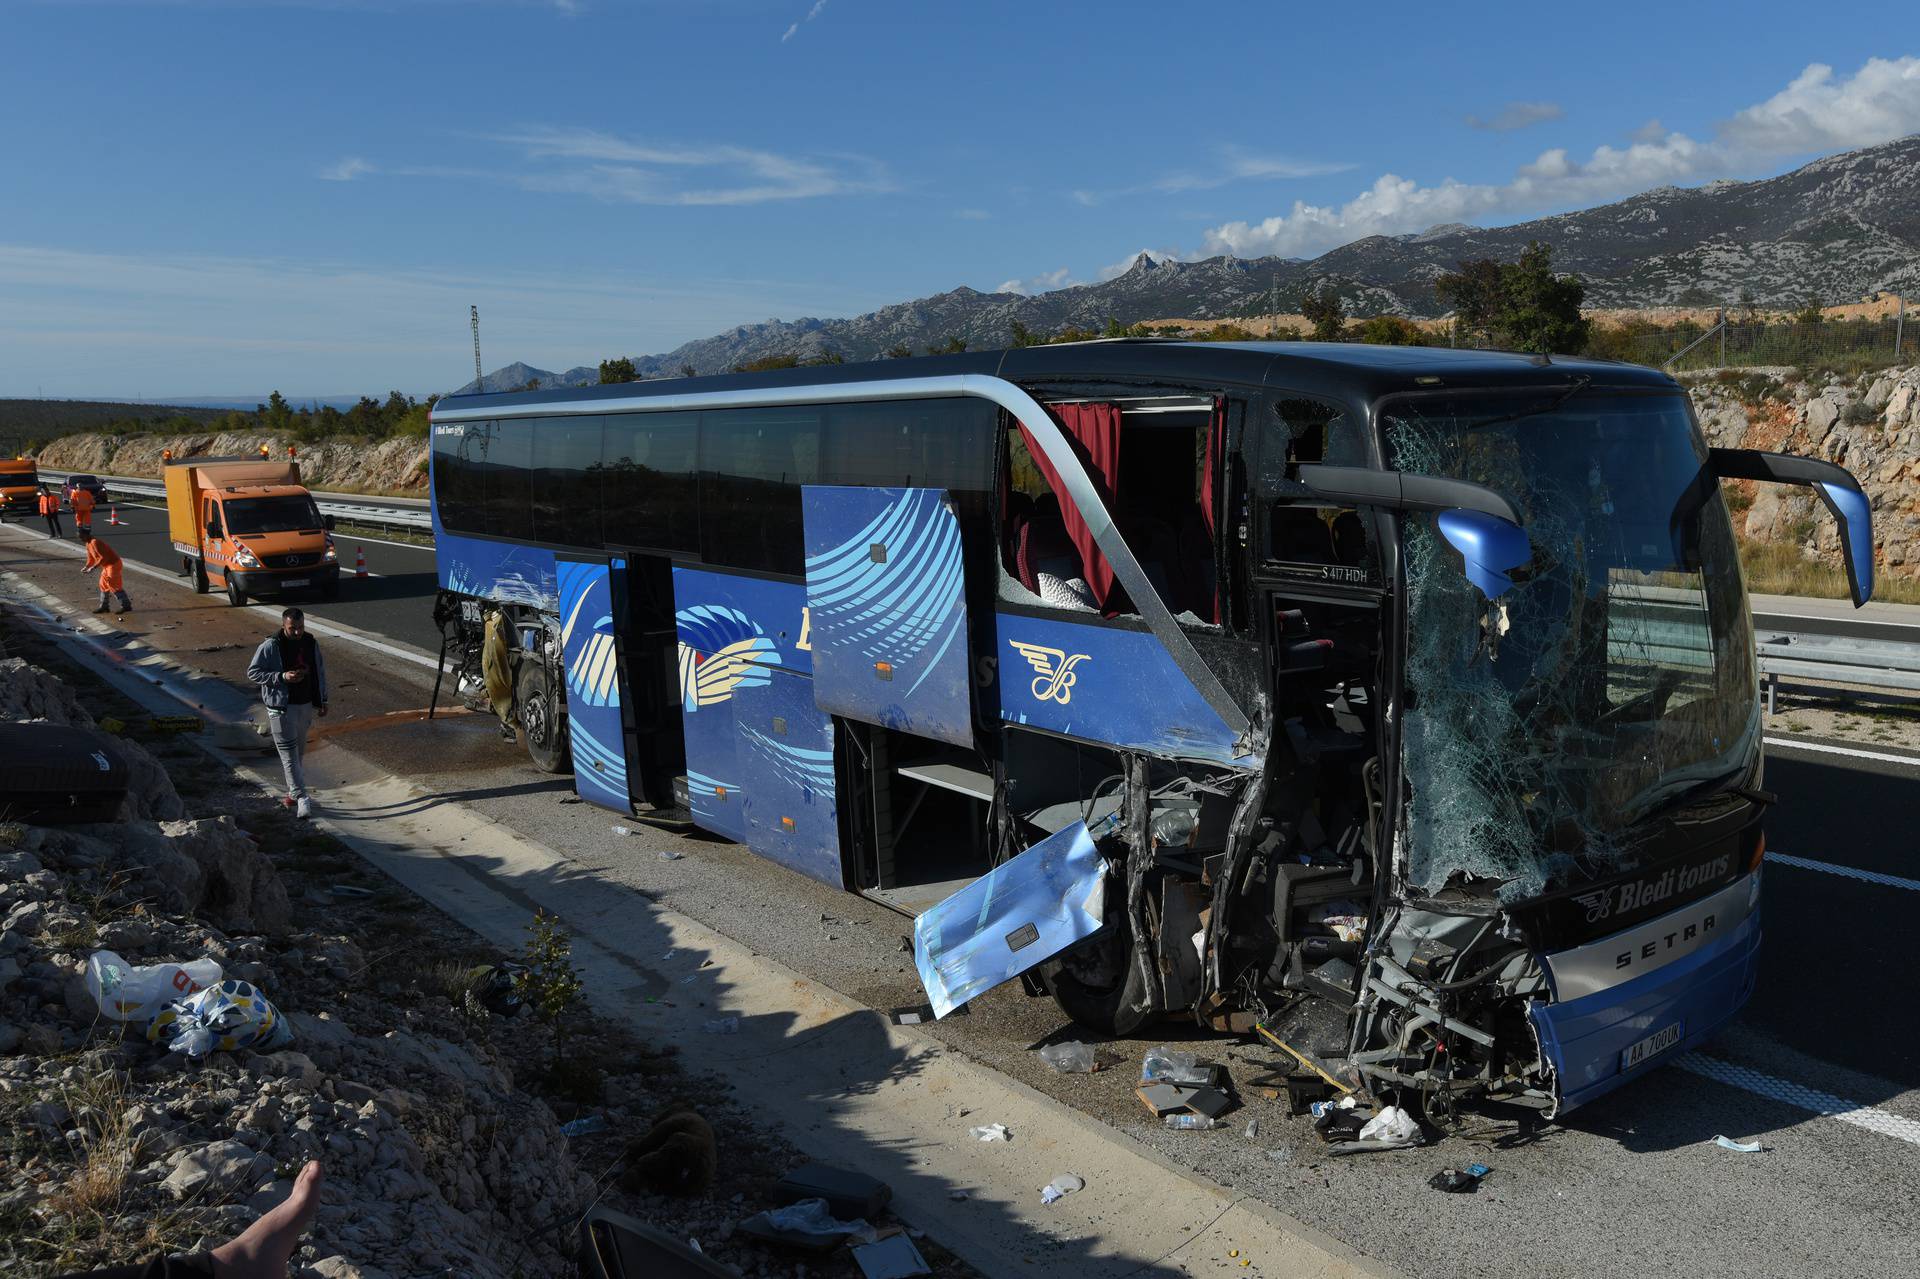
(1599, 1041)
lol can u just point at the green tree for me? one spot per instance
(276, 414)
(1474, 293)
(1390, 330)
(1520, 305)
(1811, 313)
(687, 370)
(899, 351)
(620, 370)
(1325, 313)
(952, 346)
(1022, 335)
(1749, 309)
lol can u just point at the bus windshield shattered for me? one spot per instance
(1615, 676)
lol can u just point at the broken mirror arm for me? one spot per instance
(1474, 520)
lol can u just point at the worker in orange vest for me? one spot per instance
(50, 508)
(82, 513)
(107, 560)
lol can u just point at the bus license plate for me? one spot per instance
(1658, 1042)
(294, 581)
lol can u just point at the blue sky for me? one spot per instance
(210, 198)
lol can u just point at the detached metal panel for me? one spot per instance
(886, 602)
(785, 753)
(590, 659)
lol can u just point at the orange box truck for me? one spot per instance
(19, 488)
(248, 526)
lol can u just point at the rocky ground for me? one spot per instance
(439, 1121)
(395, 466)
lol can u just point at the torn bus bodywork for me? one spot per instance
(1493, 827)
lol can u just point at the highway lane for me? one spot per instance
(398, 603)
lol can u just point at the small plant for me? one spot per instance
(551, 985)
(1858, 414)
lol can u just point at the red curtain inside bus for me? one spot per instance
(1094, 432)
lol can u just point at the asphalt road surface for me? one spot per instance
(1822, 1069)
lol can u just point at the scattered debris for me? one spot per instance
(894, 1257)
(723, 1026)
(807, 1225)
(1062, 1185)
(1073, 1058)
(125, 992)
(350, 890)
(958, 1196)
(1459, 1181)
(223, 1018)
(1744, 1147)
(1189, 1122)
(584, 1125)
(849, 1195)
(1253, 1128)
(623, 831)
(1392, 1125)
(990, 1132)
(669, 855)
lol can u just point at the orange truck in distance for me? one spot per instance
(249, 526)
(19, 488)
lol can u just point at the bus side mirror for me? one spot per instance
(1839, 492)
(1475, 520)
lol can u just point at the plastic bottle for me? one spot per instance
(1189, 1122)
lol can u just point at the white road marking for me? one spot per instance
(1823, 748)
(1850, 872)
(1846, 1110)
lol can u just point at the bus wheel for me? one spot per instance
(198, 570)
(1098, 986)
(235, 596)
(541, 727)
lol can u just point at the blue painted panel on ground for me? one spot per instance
(503, 571)
(1026, 910)
(1107, 684)
(887, 609)
(592, 670)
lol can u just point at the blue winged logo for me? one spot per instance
(1056, 676)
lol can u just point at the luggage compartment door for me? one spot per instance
(591, 660)
(886, 609)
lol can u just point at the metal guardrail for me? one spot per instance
(1837, 659)
(339, 505)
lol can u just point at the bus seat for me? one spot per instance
(1046, 561)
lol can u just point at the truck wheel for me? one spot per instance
(542, 728)
(199, 571)
(235, 596)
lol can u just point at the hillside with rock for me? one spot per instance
(395, 466)
(1841, 228)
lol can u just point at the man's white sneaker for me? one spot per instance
(305, 808)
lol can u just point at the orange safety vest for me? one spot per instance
(82, 506)
(49, 504)
(107, 560)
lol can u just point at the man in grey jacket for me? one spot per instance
(293, 683)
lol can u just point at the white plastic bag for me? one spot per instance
(128, 993)
(1071, 1059)
(1393, 1125)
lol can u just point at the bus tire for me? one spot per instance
(235, 596)
(197, 569)
(1110, 1003)
(543, 731)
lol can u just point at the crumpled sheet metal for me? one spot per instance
(1022, 912)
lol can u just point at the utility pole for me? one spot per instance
(1899, 326)
(479, 378)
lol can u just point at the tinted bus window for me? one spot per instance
(566, 480)
(509, 483)
(648, 486)
(752, 464)
(910, 444)
(457, 482)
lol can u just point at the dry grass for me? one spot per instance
(1774, 568)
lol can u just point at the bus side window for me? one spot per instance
(752, 464)
(648, 487)
(566, 481)
(509, 480)
(1314, 431)
(459, 454)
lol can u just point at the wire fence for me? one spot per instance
(1844, 344)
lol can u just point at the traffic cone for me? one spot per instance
(113, 517)
(359, 561)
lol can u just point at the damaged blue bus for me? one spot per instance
(1398, 703)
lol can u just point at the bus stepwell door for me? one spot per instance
(887, 611)
(592, 665)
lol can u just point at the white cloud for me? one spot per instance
(1042, 283)
(1817, 112)
(1517, 115)
(346, 170)
(812, 13)
(1231, 164)
(621, 170)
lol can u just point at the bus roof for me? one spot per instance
(1342, 368)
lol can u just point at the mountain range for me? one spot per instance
(1836, 230)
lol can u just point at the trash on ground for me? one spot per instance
(1459, 1181)
(498, 988)
(1060, 1187)
(125, 992)
(1187, 1121)
(1392, 1124)
(723, 1026)
(990, 1132)
(1253, 1128)
(1304, 1090)
(1166, 1065)
(1163, 1099)
(350, 890)
(806, 1225)
(914, 1016)
(958, 1196)
(894, 1257)
(1071, 1058)
(623, 831)
(849, 1195)
(223, 1018)
(585, 1124)
(1744, 1147)
(669, 855)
